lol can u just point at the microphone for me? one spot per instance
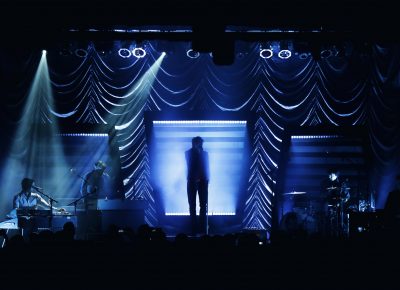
(37, 187)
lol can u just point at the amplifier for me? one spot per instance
(121, 213)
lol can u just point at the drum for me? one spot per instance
(308, 223)
(289, 222)
(299, 220)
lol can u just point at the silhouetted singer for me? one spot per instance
(198, 176)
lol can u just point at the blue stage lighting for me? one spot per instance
(81, 152)
(209, 214)
(224, 140)
(285, 54)
(80, 52)
(170, 122)
(83, 134)
(315, 137)
(192, 54)
(266, 53)
(139, 52)
(124, 53)
(304, 55)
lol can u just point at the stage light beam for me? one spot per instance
(126, 123)
(36, 150)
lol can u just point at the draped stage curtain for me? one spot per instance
(359, 89)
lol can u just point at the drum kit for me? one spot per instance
(338, 222)
(340, 205)
(307, 212)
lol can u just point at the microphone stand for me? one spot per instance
(75, 202)
(52, 200)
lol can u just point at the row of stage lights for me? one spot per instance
(268, 53)
(265, 53)
(285, 54)
(137, 52)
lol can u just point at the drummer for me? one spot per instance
(332, 187)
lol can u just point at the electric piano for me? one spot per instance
(11, 224)
(45, 219)
(28, 212)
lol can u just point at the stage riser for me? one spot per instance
(217, 224)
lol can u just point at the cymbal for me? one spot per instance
(332, 188)
(294, 192)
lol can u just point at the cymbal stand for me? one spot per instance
(343, 223)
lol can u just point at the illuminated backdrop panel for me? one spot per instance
(226, 144)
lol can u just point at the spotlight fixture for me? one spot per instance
(138, 52)
(44, 52)
(284, 52)
(301, 49)
(80, 52)
(192, 54)
(266, 53)
(304, 55)
(124, 53)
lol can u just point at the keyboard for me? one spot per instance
(33, 212)
(40, 212)
(10, 224)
